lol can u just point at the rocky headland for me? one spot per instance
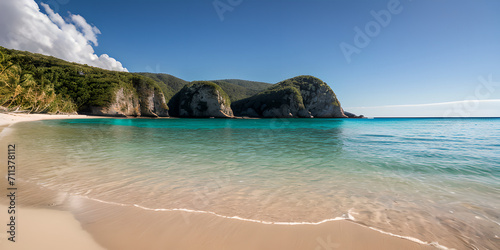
(36, 83)
(301, 96)
(200, 100)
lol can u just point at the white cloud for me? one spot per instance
(467, 108)
(90, 32)
(24, 27)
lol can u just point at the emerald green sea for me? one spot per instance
(427, 179)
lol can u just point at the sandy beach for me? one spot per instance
(47, 229)
(52, 220)
(9, 118)
(40, 228)
(48, 219)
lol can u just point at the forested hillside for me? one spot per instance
(45, 84)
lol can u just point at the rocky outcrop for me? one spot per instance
(145, 99)
(302, 96)
(124, 104)
(351, 115)
(151, 100)
(298, 97)
(201, 99)
(319, 98)
(286, 103)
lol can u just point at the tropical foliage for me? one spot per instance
(238, 92)
(45, 84)
(28, 90)
(169, 84)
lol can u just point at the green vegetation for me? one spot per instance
(69, 87)
(240, 89)
(273, 97)
(236, 89)
(169, 84)
(22, 90)
(235, 92)
(282, 93)
(308, 83)
(49, 84)
(215, 87)
(44, 84)
(253, 85)
(184, 98)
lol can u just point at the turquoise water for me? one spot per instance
(431, 179)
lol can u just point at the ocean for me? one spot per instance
(425, 179)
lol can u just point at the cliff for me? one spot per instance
(169, 84)
(125, 103)
(351, 115)
(141, 100)
(151, 99)
(201, 99)
(301, 96)
(43, 84)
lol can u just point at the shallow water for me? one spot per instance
(431, 179)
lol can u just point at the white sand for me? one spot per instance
(45, 229)
(10, 118)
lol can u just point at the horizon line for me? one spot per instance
(425, 104)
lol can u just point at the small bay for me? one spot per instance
(423, 178)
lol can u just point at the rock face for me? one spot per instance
(319, 99)
(285, 103)
(201, 99)
(124, 104)
(143, 100)
(151, 100)
(302, 96)
(351, 115)
(298, 97)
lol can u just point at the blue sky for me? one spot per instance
(429, 52)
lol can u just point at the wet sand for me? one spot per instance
(180, 230)
(40, 228)
(56, 220)
(113, 227)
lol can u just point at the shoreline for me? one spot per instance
(9, 118)
(96, 224)
(349, 219)
(40, 228)
(99, 223)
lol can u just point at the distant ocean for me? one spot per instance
(423, 178)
